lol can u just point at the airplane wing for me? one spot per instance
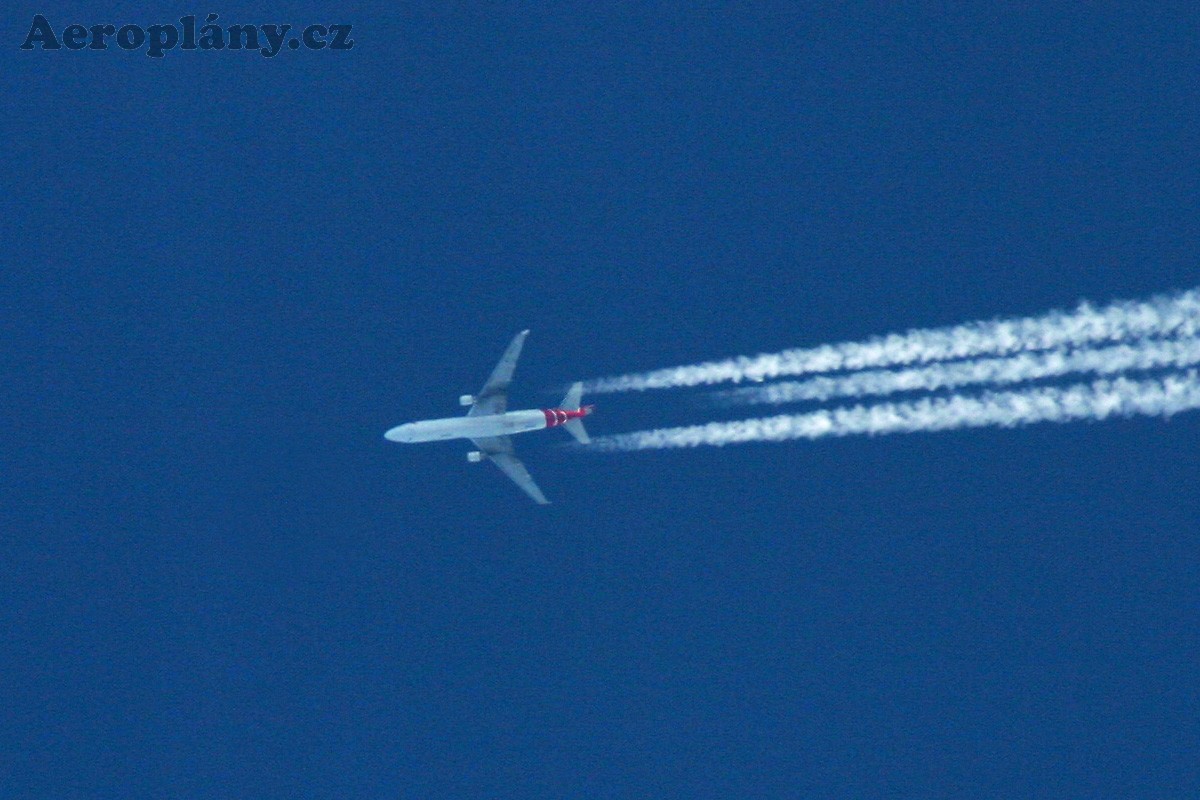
(499, 450)
(493, 397)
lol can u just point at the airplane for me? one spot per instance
(490, 426)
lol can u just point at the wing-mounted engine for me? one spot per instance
(474, 456)
(466, 400)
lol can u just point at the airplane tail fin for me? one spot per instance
(571, 400)
(571, 403)
(576, 429)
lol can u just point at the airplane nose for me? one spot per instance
(396, 434)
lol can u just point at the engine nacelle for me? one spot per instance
(467, 400)
(474, 456)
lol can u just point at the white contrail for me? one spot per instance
(1096, 401)
(1174, 315)
(1144, 354)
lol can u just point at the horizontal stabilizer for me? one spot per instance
(571, 402)
(576, 429)
(573, 397)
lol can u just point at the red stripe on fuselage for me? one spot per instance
(557, 416)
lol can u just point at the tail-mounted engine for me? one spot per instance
(474, 456)
(467, 400)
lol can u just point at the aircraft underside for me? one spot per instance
(489, 425)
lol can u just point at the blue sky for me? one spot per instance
(227, 275)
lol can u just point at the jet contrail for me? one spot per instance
(1173, 315)
(1142, 354)
(1096, 401)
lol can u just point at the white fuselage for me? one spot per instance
(482, 427)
